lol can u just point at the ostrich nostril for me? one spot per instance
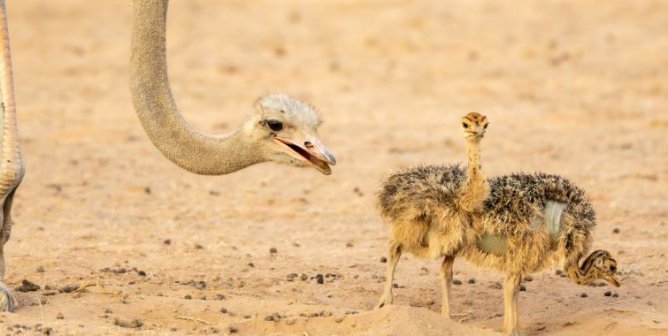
(308, 144)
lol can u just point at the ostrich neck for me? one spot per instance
(12, 164)
(169, 132)
(475, 189)
(582, 275)
(474, 173)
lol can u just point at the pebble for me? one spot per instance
(273, 250)
(232, 329)
(608, 293)
(134, 323)
(108, 311)
(615, 230)
(223, 310)
(199, 284)
(220, 297)
(528, 278)
(60, 316)
(383, 259)
(27, 286)
(303, 277)
(583, 295)
(471, 281)
(69, 288)
(615, 295)
(457, 282)
(523, 288)
(188, 297)
(320, 279)
(167, 241)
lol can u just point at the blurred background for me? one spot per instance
(576, 88)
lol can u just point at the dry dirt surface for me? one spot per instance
(576, 88)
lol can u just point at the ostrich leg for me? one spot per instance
(446, 284)
(511, 290)
(11, 162)
(395, 253)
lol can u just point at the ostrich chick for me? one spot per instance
(429, 208)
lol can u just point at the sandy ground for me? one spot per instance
(570, 87)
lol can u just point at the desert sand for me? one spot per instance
(576, 88)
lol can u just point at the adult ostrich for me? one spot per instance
(282, 129)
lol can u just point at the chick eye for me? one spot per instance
(275, 125)
(465, 125)
(613, 268)
(486, 126)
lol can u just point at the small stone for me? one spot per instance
(232, 329)
(383, 259)
(349, 244)
(188, 297)
(200, 284)
(251, 264)
(395, 286)
(223, 310)
(583, 295)
(273, 250)
(27, 286)
(199, 247)
(615, 295)
(269, 318)
(615, 230)
(167, 241)
(608, 293)
(135, 323)
(320, 279)
(558, 272)
(108, 311)
(471, 281)
(303, 277)
(528, 278)
(523, 288)
(220, 297)
(40, 269)
(495, 285)
(69, 288)
(60, 316)
(457, 282)
(141, 273)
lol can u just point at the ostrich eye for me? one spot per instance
(465, 125)
(275, 125)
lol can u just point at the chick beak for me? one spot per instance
(611, 279)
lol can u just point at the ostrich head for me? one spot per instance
(285, 131)
(603, 266)
(474, 126)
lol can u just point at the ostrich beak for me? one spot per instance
(312, 152)
(611, 279)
